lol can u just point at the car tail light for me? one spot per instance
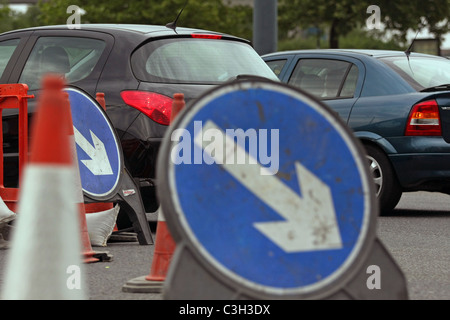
(156, 106)
(206, 36)
(424, 120)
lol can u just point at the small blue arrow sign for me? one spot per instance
(96, 144)
(269, 187)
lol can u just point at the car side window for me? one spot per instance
(72, 57)
(276, 65)
(325, 78)
(7, 48)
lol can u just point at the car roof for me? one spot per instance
(142, 29)
(376, 53)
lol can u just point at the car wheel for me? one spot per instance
(387, 187)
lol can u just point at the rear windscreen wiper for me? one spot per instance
(441, 87)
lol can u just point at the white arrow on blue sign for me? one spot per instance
(297, 232)
(97, 146)
(295, 227)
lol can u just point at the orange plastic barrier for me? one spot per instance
(14, 96)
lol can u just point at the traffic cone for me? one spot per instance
(164, 243)
(100, 97)
(177, 104)
(88, 253)
(44, 261)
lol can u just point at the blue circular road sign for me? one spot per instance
(99, 158)
(269, 188)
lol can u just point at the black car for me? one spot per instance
(138, 67)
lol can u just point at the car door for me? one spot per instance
(334, 79)
(79, 56)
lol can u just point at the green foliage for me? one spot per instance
(339, 20)
(213, 15)
(53, 12)
(204, 14)
(355, 39)
(339, 17)
(402, 15)
(5, 17)
(359, 39)
(30, 18)
(300, 44)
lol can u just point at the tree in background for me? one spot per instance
(204, 14)
(401, 16)
(343, 21)
(5, 16)
(340, 17)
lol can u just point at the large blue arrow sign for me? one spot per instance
(97, 145)
(269, 187)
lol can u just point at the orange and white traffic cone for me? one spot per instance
(164, 249)
(162, 255)
(177, 105)
(164, 243)
(44, 261)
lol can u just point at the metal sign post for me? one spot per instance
(103, 175)
(268, 196)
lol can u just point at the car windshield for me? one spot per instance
(421, 72)
(200, 61)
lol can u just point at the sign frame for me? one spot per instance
(125, 190)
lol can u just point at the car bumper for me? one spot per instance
(422, 163)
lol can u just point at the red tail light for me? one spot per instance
(156, 106)
(424, 120)
(206, 36)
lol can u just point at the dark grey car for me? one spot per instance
(138, 67)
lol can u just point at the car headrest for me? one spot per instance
(55, 60)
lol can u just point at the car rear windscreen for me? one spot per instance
(420, 71)
(199, 61)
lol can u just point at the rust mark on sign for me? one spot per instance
(260, 111)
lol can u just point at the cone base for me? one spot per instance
(90, 260)
(97, 256)
(142, 285)
(89, 257)
(103, 256)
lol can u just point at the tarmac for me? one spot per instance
(118, 263)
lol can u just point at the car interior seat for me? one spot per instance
(296, 78)
(55, 60)
(333, 83)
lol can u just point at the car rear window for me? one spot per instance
(200, 61)
(421, 72)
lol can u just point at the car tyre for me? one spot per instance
(387, 187)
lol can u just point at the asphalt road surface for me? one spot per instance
(416, 235)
